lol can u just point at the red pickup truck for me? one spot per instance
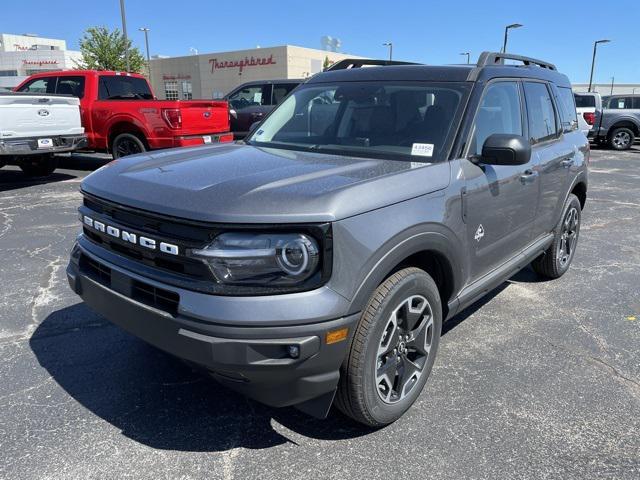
(120, 113)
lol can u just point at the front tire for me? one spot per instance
(555, 261)
(621, 138)
(38, 165)
(393, 349)
(127, 144)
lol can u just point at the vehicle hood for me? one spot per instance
(237, 183)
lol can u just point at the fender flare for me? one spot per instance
(128, 120)
(438, 240)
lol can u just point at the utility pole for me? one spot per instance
(612, 80)
(593, 60)
(146, 41)
(124, 32)
(390, 45)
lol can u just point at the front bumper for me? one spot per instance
(253, 360)
(29, 146)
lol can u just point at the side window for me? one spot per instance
(568, 116)
(71, 86)
(281, 91)
(620, 103)
(250, 96)
(40, 85)
(117, 87)
(542, 119)
(636, 103)
(499, 112)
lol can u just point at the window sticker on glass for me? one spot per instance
(422, 149)
(621, 103)
(257, 97)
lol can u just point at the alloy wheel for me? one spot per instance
(569, 236)
(127, 146)
(621, 139)
(404, 348)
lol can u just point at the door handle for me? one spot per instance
(528, 176)
(567, 162)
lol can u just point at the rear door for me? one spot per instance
(501, 200)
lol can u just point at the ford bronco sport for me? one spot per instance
(318, 260)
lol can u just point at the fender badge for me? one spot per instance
(479, 233)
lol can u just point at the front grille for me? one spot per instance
(95, 270)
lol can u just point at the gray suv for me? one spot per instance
(317, 261)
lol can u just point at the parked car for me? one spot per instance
(34, 127)
(618, 124)
(588, 106)
(319, 258)
(251, 101)
(121, 115)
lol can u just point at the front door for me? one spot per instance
(501, 201)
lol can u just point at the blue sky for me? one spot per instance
(430, 31)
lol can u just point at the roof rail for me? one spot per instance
(363, 62)
(495, 58)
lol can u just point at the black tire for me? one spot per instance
(127, 144)
(621, 138)
(361, 391)
(555, 261)
(38, 165)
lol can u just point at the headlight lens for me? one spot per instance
(261, 259)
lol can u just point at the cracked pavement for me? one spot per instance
(538, 380)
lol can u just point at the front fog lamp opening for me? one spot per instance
(261, 259)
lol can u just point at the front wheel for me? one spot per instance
(38, 165)
(555, 261)
(393, 349)
(621, 139)
(127, 144)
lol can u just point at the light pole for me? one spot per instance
(506, 34)
(468, 54)
(593, 60)
(124, 32)
(612, 80)
(390, 45)
(146, 41)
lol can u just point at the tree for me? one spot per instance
(105, 50)
(327, 63)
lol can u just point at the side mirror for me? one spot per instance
(506, 149)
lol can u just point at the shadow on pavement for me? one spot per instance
(157, 400)
(15, 179)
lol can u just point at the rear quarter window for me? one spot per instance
(567, 107)
(121, 87)
(585, 101)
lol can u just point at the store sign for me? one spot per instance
(241, 64)
(40, 63)
(22, 47)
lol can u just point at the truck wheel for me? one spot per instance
(621, 139)
(38, 165)
(127, 144)
(555, 261)
(393, 349)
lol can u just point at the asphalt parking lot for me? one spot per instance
(539, 380)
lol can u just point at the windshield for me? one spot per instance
(394, 120)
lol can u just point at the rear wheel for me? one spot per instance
(38, 165)
(393, 349)
(621, 138)
(127, 144)
(555, 261)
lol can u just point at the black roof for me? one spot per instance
(491, 65)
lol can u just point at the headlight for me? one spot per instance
(261, 259)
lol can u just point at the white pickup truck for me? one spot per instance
(33, 127)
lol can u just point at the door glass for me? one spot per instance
(248, 97)
(499, 112)
(542, 119)
(117, 87)
(71, 86)
(620, 103)
(281, 91)
(40, 85)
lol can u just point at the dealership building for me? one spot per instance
(213, 75)
(24, 55)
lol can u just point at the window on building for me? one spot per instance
(33, 71)
(8, 73)
(71, 86)
(171, 90)
(40, 85)
(499, 112)
(187, 90)
(119, 87)
(566, 104)
(542, 118)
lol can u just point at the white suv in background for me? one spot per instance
(588, 106)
